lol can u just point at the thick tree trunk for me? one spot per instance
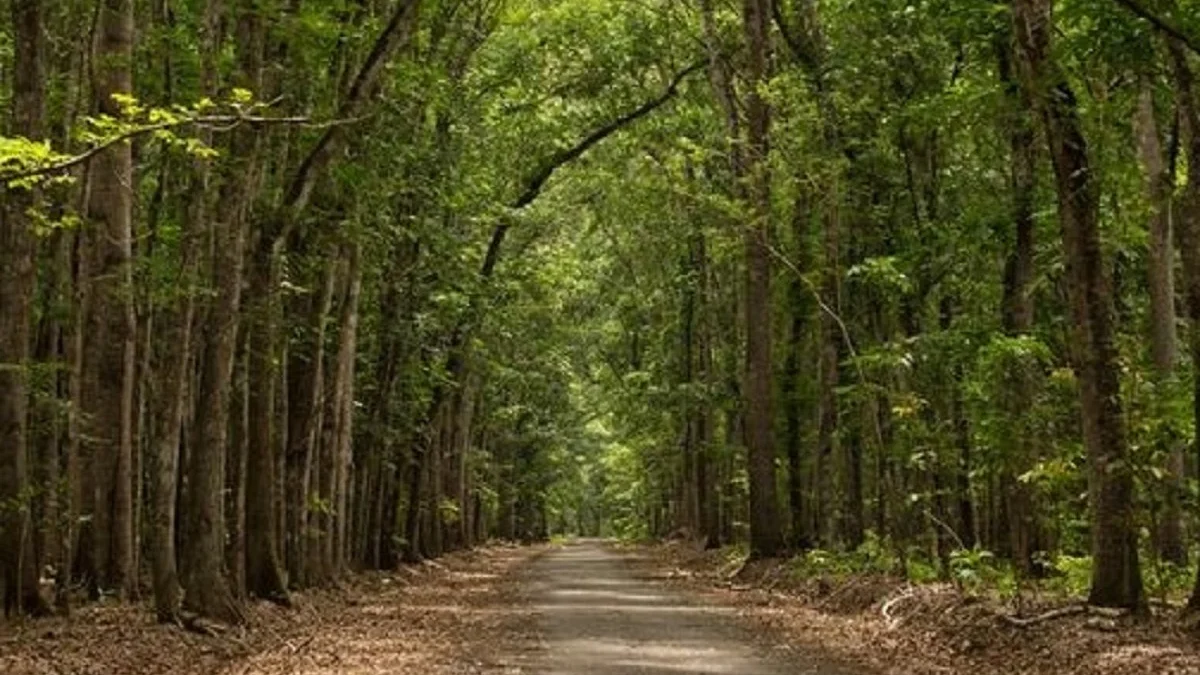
(108, 367)
(18, 561)
(1116, 577)
(765, 534)
(206, 590)
(236, 463)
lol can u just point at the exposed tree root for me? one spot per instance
(1069, 610)
(198, 624)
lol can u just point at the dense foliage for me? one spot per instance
(290, 289)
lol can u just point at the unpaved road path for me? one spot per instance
(595, 616)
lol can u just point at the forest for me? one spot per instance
(293, 289)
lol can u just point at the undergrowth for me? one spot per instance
(974, 571)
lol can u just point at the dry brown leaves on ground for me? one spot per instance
(888, 626)
(461, 614)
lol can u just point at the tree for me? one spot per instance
(1116, 578)
(765, 535)
(18, 564)
(107, 379)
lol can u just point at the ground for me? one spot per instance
(596, 616)
(592, 607)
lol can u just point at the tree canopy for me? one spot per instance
(293, 289)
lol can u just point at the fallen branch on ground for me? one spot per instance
(886, 608)
(201, 625)
(1069, 610)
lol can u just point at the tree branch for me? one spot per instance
(216, 122)
(533, 186)
(535, 183)
(300, 187)
(1161, 24)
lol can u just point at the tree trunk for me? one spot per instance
(306, 377)
(264, 571)
(1116, 578)
(1019, 505)
(167, 409)
(1189, 227)
(1161, 282)
(688, 515)
(48, 435)
(797, 405)
(108, 366)
(347, 349)
(206, 590)
(236, 463)
(706, 494)
(765, 533)
(18, 561)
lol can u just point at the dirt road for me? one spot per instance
(568, 610)
(596, 616)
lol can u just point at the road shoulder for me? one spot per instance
(887, 626)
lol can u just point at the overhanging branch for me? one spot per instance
(535, 183)
(214, 122)
(1163, 25)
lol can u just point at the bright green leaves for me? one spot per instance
(26, 163)
(21, 156)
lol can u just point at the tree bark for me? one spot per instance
(206, 590)
(306, 377)
(798, 407)
(1189, 226)
(1161, 282)
(1116, 577)
(1019, 503)
(18, 560)
(344, 376)
(765, 534)
(108, 365)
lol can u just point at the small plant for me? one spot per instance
(1075, 573)
(973, 568)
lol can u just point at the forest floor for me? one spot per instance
(885, 625)
(590, 607)
(461, 614)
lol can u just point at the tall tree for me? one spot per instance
(18, 560)
(107, 380)
(1161, 283)
(1116, 577)
(1189, 220)
(766, 539)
